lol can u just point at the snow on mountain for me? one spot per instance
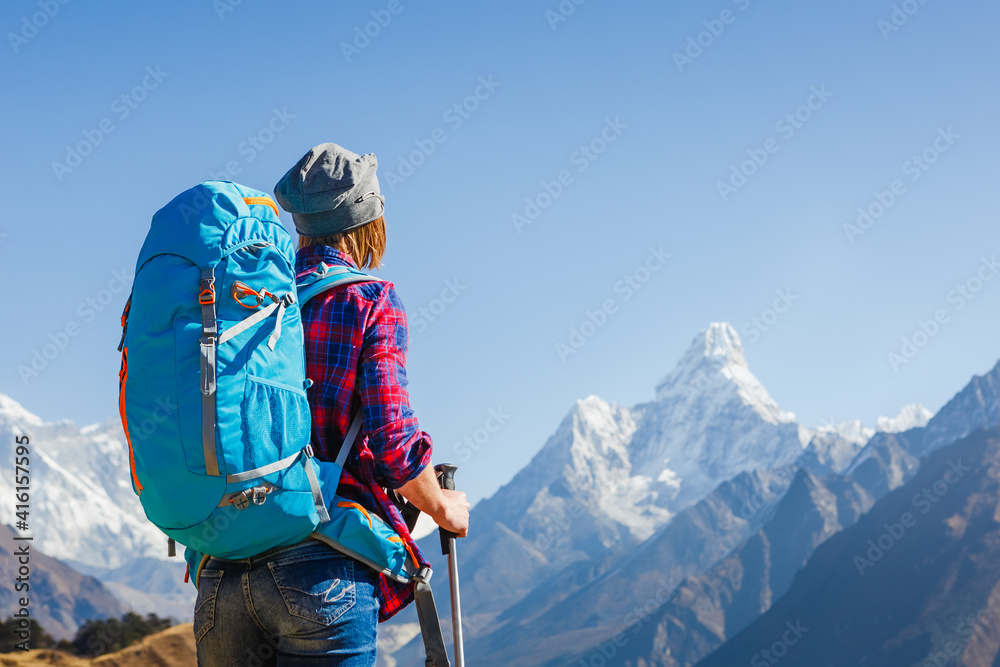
(585, 464)
(911, 416)
(711, 420)
(14, 412)
(889, 459)
(82, 504)
(851, 431)
(590, 460)
(835, 446)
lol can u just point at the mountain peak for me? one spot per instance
(714, 365)
(911, 416)
(716, 348)
(13, 412)
(719, 342)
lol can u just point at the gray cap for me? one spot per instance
(331, 190)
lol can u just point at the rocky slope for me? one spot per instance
(915, 582)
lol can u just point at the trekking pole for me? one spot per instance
(446, 478)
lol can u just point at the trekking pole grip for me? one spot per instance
(446, 480)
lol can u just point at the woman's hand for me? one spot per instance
(448, 509)
(454, 515)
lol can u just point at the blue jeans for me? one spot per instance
(304, 604)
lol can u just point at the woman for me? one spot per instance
(307, 604)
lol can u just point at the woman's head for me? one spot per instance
(333, 196)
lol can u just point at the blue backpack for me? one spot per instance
(212, 390)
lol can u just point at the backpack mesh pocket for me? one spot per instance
(275, 422)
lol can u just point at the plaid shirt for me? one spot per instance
(355, 340)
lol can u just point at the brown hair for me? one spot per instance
(365, 244)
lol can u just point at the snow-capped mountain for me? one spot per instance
(911, 416)
(82, 505)
(633, 468)
(711, 420)
(834, 447)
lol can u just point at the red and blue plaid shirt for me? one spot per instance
(356, 339)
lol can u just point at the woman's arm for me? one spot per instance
(400, 449)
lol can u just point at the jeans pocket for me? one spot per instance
(315, 586)
(204, 606)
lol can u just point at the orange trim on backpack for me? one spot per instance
(346, 503)
(123, 377)
(242, 290)
(392, 538)
(207, 296)
(262, 201)
(409, 550)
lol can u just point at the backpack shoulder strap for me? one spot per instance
(327, 277)
(352, 435)
(322, 279)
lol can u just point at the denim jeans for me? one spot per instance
(304, 604)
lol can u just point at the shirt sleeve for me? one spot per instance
(399, 448)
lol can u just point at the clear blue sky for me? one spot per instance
(678, 127)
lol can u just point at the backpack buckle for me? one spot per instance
(259, 494)
(207, 295)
